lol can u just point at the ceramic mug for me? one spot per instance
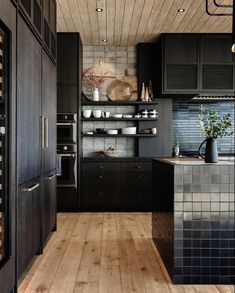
(105, 114)
(154, 130)
(97, 113)
(87, 113)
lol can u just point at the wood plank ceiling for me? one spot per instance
(128, 22)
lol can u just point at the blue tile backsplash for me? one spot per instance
(186, 127)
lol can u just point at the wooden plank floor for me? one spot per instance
(103, 253)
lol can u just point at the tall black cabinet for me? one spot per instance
(69, 93)
(36, 140)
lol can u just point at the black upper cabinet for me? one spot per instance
(217, 64)
(180, 68)
(28, 104)
(40, 15)
(146, 70)
(193, 64)
(69, 72)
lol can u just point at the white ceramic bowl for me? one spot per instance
(117, 115)
(112, 131)
(129, 130)
(86, 113)
(127, 116)
(97, 113)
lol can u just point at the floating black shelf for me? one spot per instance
(118, 103)
(119, 119)
(118, 135)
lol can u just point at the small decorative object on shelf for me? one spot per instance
(96, 95)
(212, 127)
(143, 92)
(95, 80)
(150, 90)
(147, 94)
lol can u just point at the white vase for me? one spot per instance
(95, 94)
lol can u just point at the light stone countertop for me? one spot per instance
(195, 161)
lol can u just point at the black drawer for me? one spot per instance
(136, 166)
(135, 197)
(136, 180)
(99, 179)
(99, 196)
(99, 166)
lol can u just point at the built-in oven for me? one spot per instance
(66, 128)
(66, 166)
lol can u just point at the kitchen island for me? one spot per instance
(193, 220)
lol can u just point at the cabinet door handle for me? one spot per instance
(42, 132)
(100, 176)
(51, 177)
(46, 132)
(31, 188)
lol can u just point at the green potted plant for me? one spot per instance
(212, 127)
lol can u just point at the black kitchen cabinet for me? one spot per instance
(191, 64)
(48, 113)
(48, 204)
(28, 224)
(69, 72)
(8, 147)
(180, 64)
(116, 184)
(28, 104)
(217, 64)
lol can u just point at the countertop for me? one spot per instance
(194, 161)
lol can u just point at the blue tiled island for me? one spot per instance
(193, 220)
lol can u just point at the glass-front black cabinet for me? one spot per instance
(3, 146)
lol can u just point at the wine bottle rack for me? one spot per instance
(2, 147)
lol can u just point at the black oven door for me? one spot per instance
(67, 170)
(66, 133)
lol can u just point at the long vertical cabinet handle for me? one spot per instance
(42, 132)
(46, 132)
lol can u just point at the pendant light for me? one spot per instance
(224, 14)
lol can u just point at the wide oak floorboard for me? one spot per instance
(104, 253)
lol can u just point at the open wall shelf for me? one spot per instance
(119, 135)
(119, 119)
(118, 103)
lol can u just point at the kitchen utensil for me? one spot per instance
(100, 130)
(129, 130)
(97, 113)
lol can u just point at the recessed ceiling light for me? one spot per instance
(181, 10)
(99, 9)
(104, 40)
